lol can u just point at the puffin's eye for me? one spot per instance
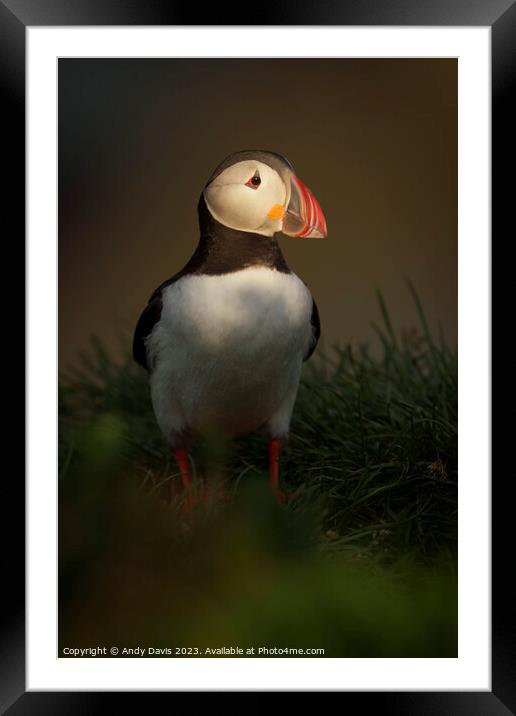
(255, 181)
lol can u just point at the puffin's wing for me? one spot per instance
(316, 330)
(150, 316)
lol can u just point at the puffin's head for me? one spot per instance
(257, 191)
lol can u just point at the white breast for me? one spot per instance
(228, 350)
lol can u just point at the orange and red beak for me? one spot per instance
(303, 217)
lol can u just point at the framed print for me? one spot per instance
(209, 506)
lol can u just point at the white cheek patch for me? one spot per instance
(238, 206)
(234, 206)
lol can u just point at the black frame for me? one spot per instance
(500, 15)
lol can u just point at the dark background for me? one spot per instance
(376, 140)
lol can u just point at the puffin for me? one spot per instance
(225, 338)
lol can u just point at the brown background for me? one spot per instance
(376, 141)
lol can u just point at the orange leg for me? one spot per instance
(192, 495)
(275, 446)
(183, 464)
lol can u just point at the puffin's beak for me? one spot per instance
(304, 217)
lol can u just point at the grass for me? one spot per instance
(367, 553)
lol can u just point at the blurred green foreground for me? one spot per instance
(362, 564)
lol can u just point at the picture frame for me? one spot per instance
(15, 17)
